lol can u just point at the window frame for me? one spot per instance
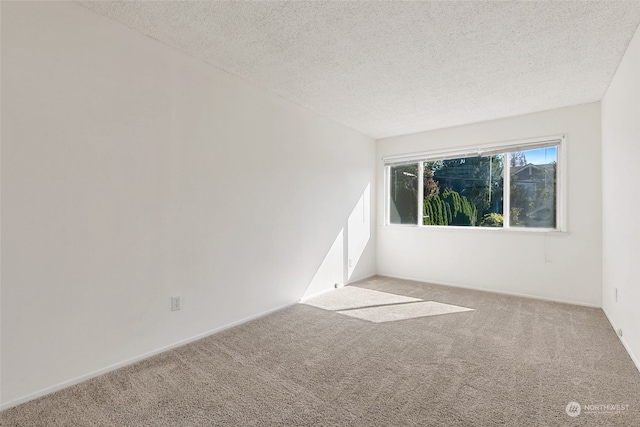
(559, 141)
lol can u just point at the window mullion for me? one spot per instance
(506, 190)
(420, 215)
(387, 196)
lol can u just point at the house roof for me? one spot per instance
(529, 166)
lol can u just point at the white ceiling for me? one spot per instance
(391, 68)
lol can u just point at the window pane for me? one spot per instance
(533, 188)
(466, 191)
(403, 189)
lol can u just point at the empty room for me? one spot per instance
(319, 213)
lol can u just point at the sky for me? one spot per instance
(541, 156)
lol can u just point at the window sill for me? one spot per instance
(546, 231)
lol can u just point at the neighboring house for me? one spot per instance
(534, 185)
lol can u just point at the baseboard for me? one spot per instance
(85, 377)
(317, 294)
(358, 279)
(634, 359)
(514, 294)
(324, 291)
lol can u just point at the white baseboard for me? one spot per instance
(324, 291)
(358, 279)
(514, 294)
(317, 294)
(132, 360)
(635, 360)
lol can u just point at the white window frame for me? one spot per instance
(559, 141)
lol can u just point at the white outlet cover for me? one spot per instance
(175, 303)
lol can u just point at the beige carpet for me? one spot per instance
(509, 362)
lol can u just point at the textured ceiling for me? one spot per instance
(391, 68)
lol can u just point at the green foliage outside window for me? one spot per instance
(450, 208)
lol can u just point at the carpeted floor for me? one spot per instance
(507, 361)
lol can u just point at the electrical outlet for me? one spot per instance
(620, 331)
(350, 262)
(175, 303)
(615, 294)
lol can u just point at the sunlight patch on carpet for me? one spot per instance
(390, 313)
(353, 297)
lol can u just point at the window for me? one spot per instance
(513, 185)
(404, 194)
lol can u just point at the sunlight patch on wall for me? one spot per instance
(331, 270)
(358, 230)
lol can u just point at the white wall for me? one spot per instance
(558, 266)
(132, 173)
(621, 199)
